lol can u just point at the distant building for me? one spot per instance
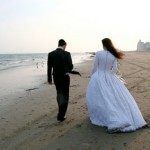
(141, 46)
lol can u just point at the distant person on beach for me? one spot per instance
(60, 62)
(109, 102)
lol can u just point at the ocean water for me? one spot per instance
(8, 61)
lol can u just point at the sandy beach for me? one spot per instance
(28, 118)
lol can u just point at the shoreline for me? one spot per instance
(26, 77)
(30, 122)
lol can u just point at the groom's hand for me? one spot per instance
(79, 74)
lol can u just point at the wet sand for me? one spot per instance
(29, 123)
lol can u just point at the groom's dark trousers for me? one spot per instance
(62, 87)
(59, 64)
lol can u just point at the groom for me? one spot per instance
(60, 62)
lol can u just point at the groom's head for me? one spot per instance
(62, 43)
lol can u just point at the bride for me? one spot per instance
(109, 102)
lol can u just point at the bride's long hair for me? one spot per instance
(107, 43)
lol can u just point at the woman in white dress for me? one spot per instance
(109, 102)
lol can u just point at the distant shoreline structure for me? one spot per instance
(141, 46)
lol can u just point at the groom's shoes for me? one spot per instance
(61, 119)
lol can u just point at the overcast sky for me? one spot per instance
(29, 26)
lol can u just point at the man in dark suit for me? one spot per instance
(59, 65)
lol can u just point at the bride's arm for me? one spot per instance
(115, 66)
(95, 64)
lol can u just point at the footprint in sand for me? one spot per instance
(73, 102)
(76, 85)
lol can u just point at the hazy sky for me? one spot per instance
(37, 25)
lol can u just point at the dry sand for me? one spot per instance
(30, 123)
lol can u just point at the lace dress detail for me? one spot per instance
(109, 102)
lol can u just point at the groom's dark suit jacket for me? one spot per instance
(60, 62)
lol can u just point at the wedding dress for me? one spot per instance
(109, 102)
